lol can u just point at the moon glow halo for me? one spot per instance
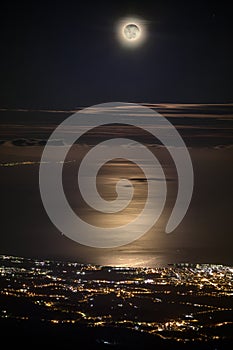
(131, 32)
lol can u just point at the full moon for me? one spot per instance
(131, 31)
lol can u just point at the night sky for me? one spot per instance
(59, 57)
(65, 54)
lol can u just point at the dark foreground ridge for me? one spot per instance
(66, 304)
(29, 334)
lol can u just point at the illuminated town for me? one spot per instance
(182, 302)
